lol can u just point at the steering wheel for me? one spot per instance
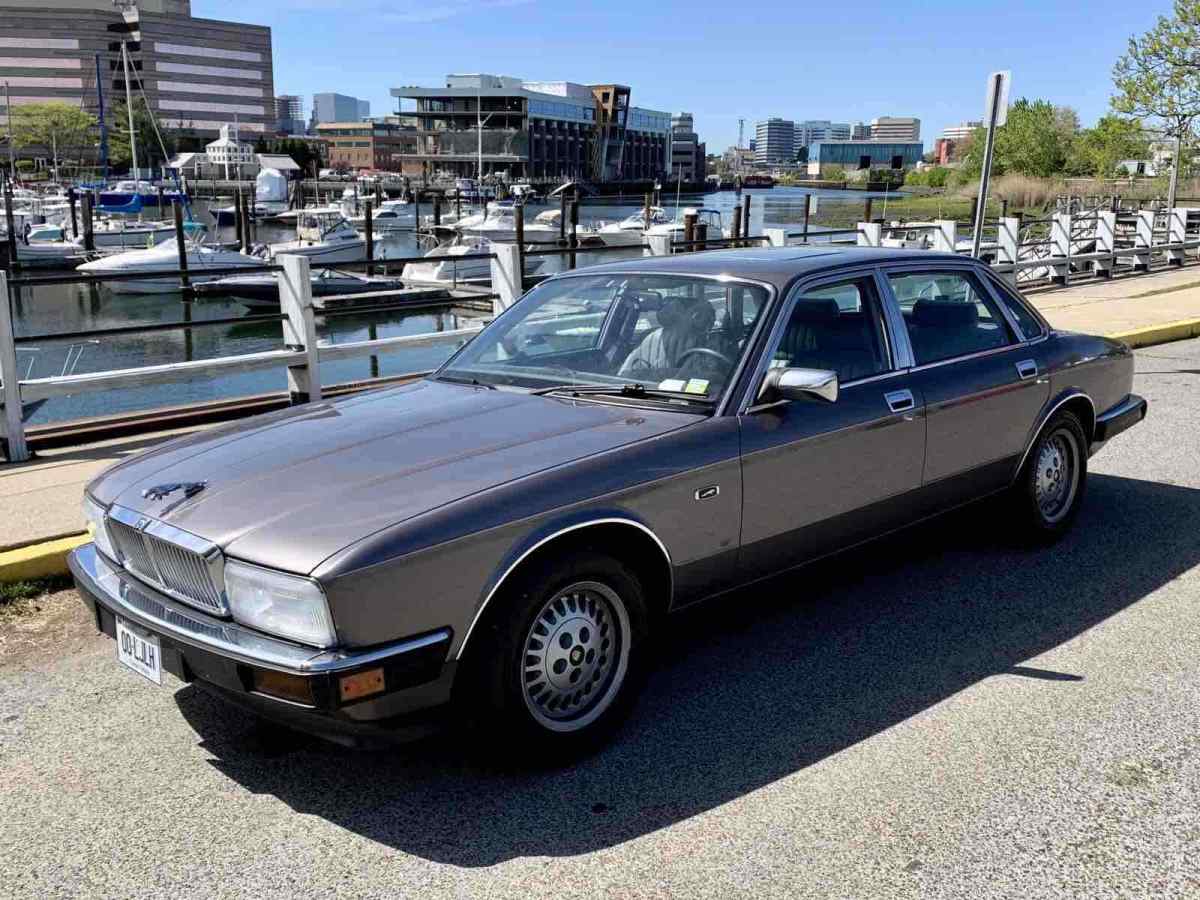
(703, 351)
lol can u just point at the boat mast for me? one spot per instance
(8, 117)
(103, 126)
(129, 109)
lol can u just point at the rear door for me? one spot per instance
(983, 383)
(818, 475)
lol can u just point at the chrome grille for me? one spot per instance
(180, 571)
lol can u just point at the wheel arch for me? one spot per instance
(625, 538)
(1072, 400)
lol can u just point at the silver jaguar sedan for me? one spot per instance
(497, 544)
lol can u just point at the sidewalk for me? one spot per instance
(40, 500)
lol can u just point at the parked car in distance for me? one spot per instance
(500, 541)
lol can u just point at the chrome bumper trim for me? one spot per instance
(131, 599)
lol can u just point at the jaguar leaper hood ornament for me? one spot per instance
(162, 491)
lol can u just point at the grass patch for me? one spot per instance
(15, 597)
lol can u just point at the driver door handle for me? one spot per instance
(1027, 368)
(900, 401)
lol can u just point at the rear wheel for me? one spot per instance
(561, 659)
(1050, 488)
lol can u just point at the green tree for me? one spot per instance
(56, 127)
(1036, 140)
(1158, 78)
(148, 150)
(1097, 151)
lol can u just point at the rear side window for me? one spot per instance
(1028, 323)
(948, 314)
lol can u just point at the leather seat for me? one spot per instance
(941, 328)
(820, 336)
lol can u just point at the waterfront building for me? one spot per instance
(228, 150)
(896, 129)
(289, 114)
(776, 142)
(381, 146)
(688, 157)
(857, 155)
(338, 108)
(535, 129)
(197, 74)
(812, 130)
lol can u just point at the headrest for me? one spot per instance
(942, 313)
(648, 300)
(815, 310)
(686, 314)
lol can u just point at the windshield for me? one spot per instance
(671, 333)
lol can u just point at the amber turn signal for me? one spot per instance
(361, 684)
(296, 688)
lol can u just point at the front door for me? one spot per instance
(818, 475)
(982, 386)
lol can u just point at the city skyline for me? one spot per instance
(322, 46)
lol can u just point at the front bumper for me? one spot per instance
(229, 659)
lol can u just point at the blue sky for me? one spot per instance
(720, 61)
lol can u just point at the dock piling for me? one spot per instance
(10, 221)
(735, 227)
(437, 211)
(867, 210)
(14, 427)
(646, 211)
(89, 232)
(519, 223)
(807, 214)
(689, 231)
(746, 217)
(574, 231)
(181, 246)
(370, 230)
(71, 200)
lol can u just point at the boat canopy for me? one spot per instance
(271, 186)
(131, 207)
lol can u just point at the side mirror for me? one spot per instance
(800, 384)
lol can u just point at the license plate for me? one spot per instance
(140, 652)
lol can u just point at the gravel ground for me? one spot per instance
(944, 715)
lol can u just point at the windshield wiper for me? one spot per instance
(473, 382)
(621, 390)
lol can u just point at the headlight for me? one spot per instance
(283, 605)
(94, 513)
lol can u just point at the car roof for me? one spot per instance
(774, 265)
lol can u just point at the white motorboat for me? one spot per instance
(324, 237)
(451, 271)
(500, 224)
(47, 253)
(632, 229)
(678, 227)
(165, 257)
(392, 215)
(261, 289)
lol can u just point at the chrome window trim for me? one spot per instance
(731, 385)
(995, 286)
(609, 520)
(211, 554)
(780, 324)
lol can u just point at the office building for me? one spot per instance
(775, 143)
(380, 146)
(338, 108)
(196, 74)
(896, 129)
(687, 152)
(535, 129)
(289, 114)
(860, 131)
(961, 131)
(812, 130)
(858, 155)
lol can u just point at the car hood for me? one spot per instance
(291, 489)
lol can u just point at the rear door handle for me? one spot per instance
(1027, 368)
(900, 401)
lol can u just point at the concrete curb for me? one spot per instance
(40, 560)
(1180, 330)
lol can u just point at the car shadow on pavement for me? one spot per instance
(752, 688)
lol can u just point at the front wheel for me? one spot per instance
(562, 661)
(1049, 490)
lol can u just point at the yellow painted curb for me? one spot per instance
(39, 560)
(1160, 334)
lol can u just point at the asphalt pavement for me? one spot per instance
(943, 714)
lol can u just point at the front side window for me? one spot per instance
(677, 334)
(837, 328)
(948, 314)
